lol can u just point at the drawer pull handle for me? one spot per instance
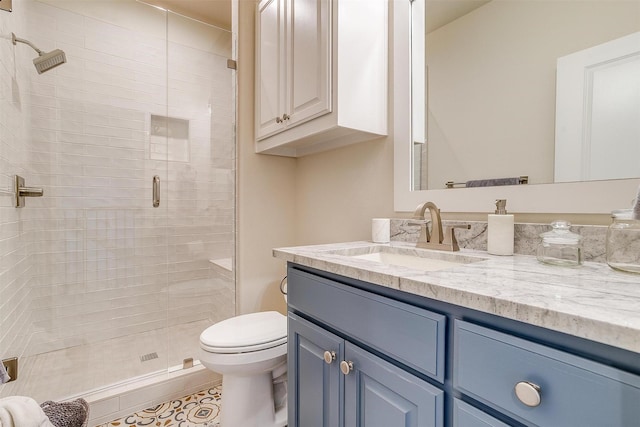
(346, 367)
(329, 357)
(528, 393)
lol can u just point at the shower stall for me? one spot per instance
(112, 274)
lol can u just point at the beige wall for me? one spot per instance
(266, 193)
(339, 191)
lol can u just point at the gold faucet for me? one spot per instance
(436, 239)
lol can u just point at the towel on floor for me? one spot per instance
(67, 414)
(4, 376)
(21, 411)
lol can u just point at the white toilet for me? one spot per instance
(249, 351)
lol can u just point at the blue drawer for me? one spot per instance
(573, 391)
(465, 415)
(408, 334)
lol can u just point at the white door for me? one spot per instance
(598, 112)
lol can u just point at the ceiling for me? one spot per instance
(441, 12)
(218, 12)
(215, 12)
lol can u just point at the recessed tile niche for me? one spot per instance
(169, 139)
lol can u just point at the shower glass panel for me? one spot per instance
(98, 286)
(201, 182)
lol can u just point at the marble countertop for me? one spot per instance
(591, 301)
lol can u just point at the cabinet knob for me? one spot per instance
(346, 367)
(278, 120)
(528, 393)
(285, 117)
(329, 357)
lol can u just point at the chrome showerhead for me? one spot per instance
(45, 60)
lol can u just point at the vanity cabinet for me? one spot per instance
(321, 74)
(337, 377)
(366, 355)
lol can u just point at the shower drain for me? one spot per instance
(149, 356)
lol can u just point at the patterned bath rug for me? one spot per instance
(201, 409)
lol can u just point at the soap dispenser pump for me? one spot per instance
(500, 230)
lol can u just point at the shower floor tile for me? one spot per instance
(201, 409)
(71, 372)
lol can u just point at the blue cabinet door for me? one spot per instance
(378, 394)
(465, 415)
(315, 386)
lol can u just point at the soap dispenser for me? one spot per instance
(500, 230)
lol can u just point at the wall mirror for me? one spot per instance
(483, 89)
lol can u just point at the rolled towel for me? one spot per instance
(493, 182)
(22, 411)
(636, 206)
(4, 376)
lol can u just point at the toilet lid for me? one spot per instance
(249, 332)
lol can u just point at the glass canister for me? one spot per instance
(623, 242)
(560, 246)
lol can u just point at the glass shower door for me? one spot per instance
(97, 286)
(201, 185)
(92, 289)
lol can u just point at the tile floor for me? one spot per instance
(201, 409)
(65, 373)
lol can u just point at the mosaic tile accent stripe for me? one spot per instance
(201, 409)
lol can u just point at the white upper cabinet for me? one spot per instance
(321, 74)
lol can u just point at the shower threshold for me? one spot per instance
(146, 391)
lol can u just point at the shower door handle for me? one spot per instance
(156, 191)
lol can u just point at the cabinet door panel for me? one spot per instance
(308, 56)
(378, 394)
(269, 67)
(465, 415)
(315, 387)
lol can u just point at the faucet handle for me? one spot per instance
(450, 236)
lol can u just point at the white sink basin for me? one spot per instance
(410, 261)
(417, 259)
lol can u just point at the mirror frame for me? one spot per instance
(592, 197)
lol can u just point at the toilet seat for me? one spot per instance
(243, 349)
(246, 333)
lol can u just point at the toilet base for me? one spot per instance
(248, 402)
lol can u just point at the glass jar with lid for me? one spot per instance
(623, 242)
(560, 246)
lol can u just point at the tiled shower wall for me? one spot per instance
(16, 264)
(93, 259)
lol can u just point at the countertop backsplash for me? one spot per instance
(527, 236)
